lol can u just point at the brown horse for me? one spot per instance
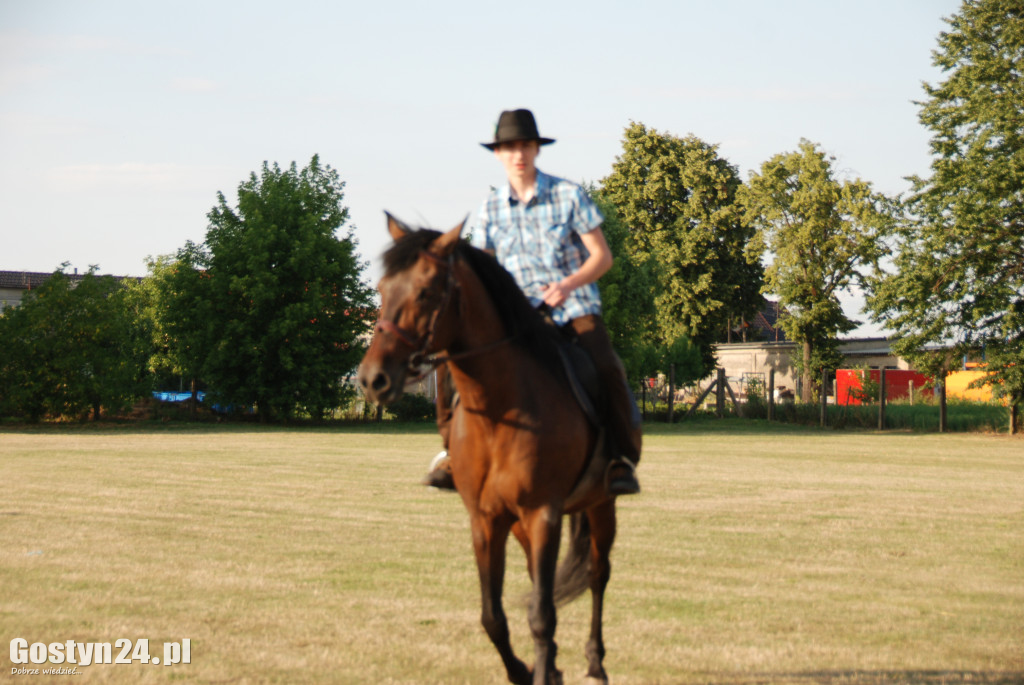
(520, 446)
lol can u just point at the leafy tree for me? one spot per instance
(959, 262)
(678, 198)
(180, 307)
(286, 301)
(24, 372)
(72, 347)
(626, 293)
(819, 231)
(686, 358)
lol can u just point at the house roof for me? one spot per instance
(26, 280)
(767, 320)
(30, 280)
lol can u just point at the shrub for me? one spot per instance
(412, 408)
(869, 388)
(756, 406)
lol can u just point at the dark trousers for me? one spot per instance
(620, 413)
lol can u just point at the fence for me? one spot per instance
(851, 388)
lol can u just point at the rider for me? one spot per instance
(547, 233)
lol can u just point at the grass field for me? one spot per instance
(756, 554)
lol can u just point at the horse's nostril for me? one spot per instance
(380, 382)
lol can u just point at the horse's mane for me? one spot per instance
(528, 328)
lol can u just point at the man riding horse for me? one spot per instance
(546, 231)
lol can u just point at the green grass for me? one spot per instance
(757, 554)
(961, 416)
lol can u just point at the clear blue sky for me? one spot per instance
(120, 120)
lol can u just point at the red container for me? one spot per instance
(897, 383)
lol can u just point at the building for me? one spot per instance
(14, 285)
(743, 361)
(763, 327)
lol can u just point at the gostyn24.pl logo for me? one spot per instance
(70, 654)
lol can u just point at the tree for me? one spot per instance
(180, 307)
(286, 301)
(683, 359)
(71, 347)
(819, 231)
(959, 257)
(677, 196)
(627, 291)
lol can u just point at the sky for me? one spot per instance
(120, 121)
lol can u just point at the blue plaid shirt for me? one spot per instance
(539, 242)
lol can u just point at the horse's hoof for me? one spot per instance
(519, 674)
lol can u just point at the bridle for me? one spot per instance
(421, 362)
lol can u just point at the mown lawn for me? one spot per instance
(757, 554)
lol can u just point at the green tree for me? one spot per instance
(180, 307)
(627, 292)
(286, 300)
(678, 198)
(959, 258)
(819, 232)
(627, 295)
(71, 347)
(685, 358)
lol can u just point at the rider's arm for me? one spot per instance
(596, 265)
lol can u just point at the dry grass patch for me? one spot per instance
(756, 554)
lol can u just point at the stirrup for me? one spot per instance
(632, 485)
(438, 458)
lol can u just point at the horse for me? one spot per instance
(519, 445)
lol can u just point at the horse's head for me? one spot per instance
(417, 285)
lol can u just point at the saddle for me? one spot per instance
(589, 393)
(582, 375)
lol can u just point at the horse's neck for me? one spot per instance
(480, 322)
(483, 377)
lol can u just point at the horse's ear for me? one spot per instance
(396, 228)
(445, 245)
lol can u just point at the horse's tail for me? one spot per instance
(573, 575)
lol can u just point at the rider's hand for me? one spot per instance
(555, 294)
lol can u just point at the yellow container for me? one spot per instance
(957, 383)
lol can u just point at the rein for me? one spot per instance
(420, 362)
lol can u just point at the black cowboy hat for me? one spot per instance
(516, 125)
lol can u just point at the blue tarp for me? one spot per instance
(177, 396)
(186, 396)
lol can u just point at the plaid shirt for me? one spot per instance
(539, 242)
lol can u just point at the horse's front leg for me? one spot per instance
(543, 529)
(489, 538)
(602, 535)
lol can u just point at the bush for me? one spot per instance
(756, 406)
(412, 408)
(869, 388)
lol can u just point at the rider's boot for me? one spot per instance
(440, 473)
(620, 478)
